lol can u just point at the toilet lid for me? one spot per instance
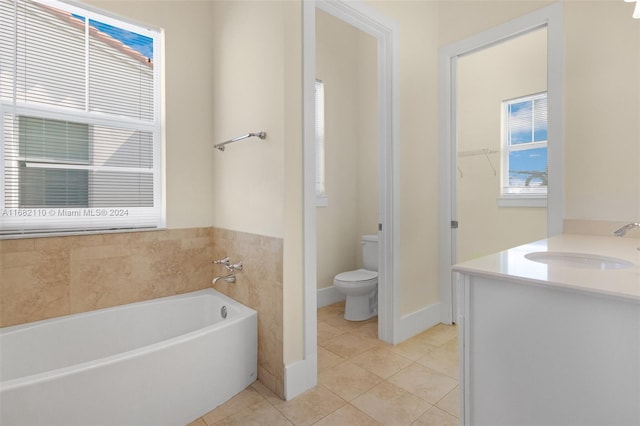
(357, 276)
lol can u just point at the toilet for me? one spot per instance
(361, 286)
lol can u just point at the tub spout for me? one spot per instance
(620, 232)
(231, 278)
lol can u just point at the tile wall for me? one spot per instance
(43, 278)
(259, 286)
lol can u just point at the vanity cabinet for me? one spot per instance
(542, 349)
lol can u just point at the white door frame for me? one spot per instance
(551, 17)
(385, 30)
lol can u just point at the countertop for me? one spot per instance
(513, 264)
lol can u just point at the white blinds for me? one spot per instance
(79, 110)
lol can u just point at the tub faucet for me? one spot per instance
(231, 278)
(622, 231)
(227, 264)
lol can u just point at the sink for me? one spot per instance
(578, 260)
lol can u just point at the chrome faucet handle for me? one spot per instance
(224, 261)
(235, 266)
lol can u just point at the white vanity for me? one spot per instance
(550, 333)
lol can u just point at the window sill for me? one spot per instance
(537, 201)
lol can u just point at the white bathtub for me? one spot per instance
(166, 361)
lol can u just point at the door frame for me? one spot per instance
(551, 17)
(385, 30)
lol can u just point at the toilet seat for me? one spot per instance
(357, 278)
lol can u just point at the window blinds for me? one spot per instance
(79, 108)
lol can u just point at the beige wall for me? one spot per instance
(257, 185)
(485, 79)
(418, 150)
(368, 183)
(602, 138)
(247, 45)
(346, 63)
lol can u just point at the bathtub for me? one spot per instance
(166, 361)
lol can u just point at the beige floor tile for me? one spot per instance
(451, 402)
(348, 380)
(452, 346)
(259, 414)
(439, 334)
(327, 359)
(369, 329)
(333, 315)
(381, 361)
(331, 310)
(347, 416)
(442, 361)
(311, 406)
(413, 348)
(197, 422)
(266, 393)
(424, 382)
(339, 322)
(241, 401)
(327, 332)
(349, 345)
(436, 417)
(391, 405)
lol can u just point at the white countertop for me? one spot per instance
(513, 264)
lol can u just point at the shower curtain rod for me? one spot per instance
(261, 135)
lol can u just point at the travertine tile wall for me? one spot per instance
(43, 278)
(259, 286)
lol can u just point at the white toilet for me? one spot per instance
(361, 286)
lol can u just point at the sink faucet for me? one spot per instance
(622, 231)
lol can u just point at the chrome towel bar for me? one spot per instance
(261, 135)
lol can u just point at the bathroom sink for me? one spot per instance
(578, 260)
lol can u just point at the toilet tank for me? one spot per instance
(370, 252)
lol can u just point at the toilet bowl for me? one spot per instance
(361, 286)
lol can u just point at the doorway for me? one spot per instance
(453, 151)
(384, 31)
(347, 181)
(501, 146)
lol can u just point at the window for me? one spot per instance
(321, 194)
(79, 121)
(524, 161)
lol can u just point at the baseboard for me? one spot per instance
(416, 322)
(300, 376)
(329, 296)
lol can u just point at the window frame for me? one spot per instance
(516, 196)
(23, 222)
(322, 200)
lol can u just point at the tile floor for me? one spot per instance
(361, 381)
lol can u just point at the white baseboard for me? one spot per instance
(416, 322)
(300, 376)
(329, 296)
